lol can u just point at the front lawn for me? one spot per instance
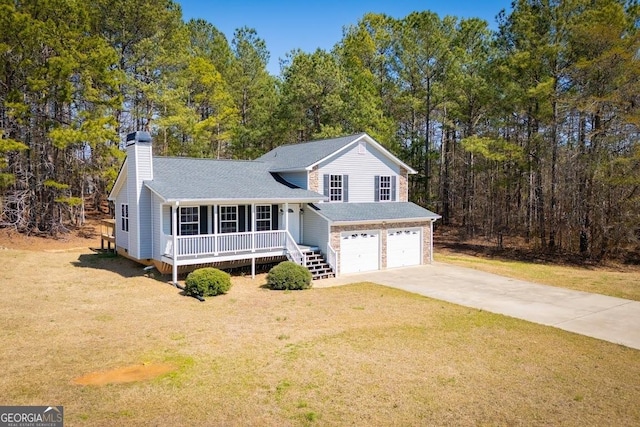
(360, 354)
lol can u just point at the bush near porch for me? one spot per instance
(207, 282)
(289, 276)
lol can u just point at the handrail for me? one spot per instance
(294, 253)
(332, 259)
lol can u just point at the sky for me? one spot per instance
(307, 25)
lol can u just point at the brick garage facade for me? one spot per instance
(383, 227)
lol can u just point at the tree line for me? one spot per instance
(531, 130)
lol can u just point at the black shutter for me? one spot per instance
(393, 188)
(178, 215)
(345, 188)
(216, 215)
(274, 217)
(326, 185)
(242, 214)
(376, 189)
(171, 220)
(204, 220)
(250, 222)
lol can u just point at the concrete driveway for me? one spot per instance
(611, 319)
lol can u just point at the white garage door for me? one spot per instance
(403, 247)
(359, 251)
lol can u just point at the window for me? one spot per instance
(189, 220)
(385, 188)
(263, 217)
(124, 217)
(335, 188)
(228, 219)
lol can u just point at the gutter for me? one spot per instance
(382, 220)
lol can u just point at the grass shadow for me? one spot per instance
(104, 260)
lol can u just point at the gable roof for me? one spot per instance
(121, 179)
(189, 179)
(374, 212)
(306, 155)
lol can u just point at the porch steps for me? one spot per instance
(317, 265)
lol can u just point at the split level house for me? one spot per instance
(337, 206)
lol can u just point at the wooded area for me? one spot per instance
(530, 131)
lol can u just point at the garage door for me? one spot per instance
(403, 247)
(359, 251)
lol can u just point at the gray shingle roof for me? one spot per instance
(176, 178)
(299, 156)
(354, 212)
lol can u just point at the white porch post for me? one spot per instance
(174, 227)
(253, 227)
(253, 240)
(215, 229)
(286, 216)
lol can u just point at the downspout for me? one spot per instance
(174, 260)
(431, 242)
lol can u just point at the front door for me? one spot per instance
(294, 222)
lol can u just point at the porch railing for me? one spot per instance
(217, 244)
(332, 258)
(294, 253)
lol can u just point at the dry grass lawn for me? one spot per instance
(621, 282)
(360, 354)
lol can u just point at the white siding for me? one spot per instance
(157, 225)
(146, 224)
(296, 178)
(140, 166)
(362, 169)
(315, 229)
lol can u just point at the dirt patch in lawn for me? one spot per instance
(126, 374)
(80, 237)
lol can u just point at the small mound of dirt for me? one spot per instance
(125, 374)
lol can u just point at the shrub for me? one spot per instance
(289, 276)
(207, 282)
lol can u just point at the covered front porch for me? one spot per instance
(218, 233)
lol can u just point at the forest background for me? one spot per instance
(529, 131)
